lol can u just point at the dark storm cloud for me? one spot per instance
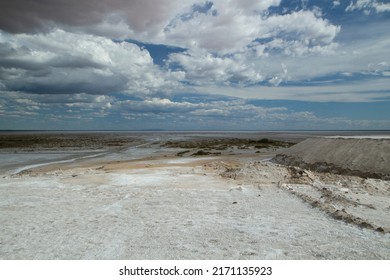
(18, 16)
(25, 16)
(45, 86)
(10, 58)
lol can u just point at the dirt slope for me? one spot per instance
(362, 157)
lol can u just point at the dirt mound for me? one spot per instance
(360, 157)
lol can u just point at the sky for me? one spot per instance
(194, 65)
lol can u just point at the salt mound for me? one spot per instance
(361, 157)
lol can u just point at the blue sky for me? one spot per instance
(194, 65)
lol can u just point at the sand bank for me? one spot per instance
(355, 156)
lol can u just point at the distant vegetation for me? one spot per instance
(55, 141)
(223, 144)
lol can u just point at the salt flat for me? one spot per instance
(164, 206)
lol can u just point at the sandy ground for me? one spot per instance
(153, 204)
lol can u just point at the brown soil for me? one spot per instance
(56, 141)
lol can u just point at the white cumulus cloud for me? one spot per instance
(65, 62)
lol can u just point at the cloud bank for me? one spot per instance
(133, 60)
